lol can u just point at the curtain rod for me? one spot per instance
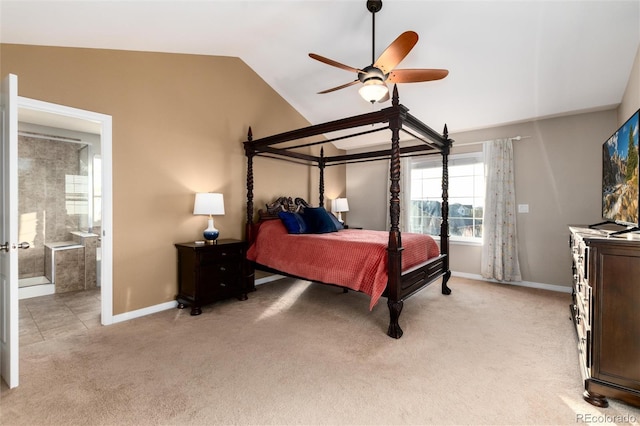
(514, 138)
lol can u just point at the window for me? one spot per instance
(97, 191)
(466, 196)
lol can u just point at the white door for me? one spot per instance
(9, 232)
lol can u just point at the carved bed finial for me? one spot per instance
(395, 100)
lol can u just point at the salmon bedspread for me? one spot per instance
(352, 258)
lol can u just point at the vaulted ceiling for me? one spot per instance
(509, 61)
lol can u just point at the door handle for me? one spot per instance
(5, 246)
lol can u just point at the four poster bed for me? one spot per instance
(374, 262)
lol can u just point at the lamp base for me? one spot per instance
(211, 234)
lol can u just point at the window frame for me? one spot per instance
(475, 157)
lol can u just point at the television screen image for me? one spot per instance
(620, 174)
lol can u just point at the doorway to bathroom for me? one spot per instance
(64, 208)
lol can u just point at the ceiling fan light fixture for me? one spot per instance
(373, 90)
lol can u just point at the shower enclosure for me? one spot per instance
(59, 203)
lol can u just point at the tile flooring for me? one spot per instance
(58, 315)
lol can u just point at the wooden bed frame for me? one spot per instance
(401, 284)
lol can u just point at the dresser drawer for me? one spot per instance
(584, 338)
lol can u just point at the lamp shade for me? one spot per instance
(373, 90)
(208, 203)
(340, 205)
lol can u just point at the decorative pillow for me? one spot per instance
(318, 220)
(335, 221)
(293, 222)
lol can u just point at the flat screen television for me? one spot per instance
(620, 169)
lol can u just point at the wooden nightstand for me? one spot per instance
(351, 227)
(211, 272)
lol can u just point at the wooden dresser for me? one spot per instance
(606, 313)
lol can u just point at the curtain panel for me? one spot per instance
(500, 240)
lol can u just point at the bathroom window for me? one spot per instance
(97, 191)
(77, 194)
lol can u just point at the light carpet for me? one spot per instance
(302, 353)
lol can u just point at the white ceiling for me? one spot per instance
(509, 61)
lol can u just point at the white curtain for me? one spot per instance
(500, 245)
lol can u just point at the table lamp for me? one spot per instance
(340, 205)
(209, 203)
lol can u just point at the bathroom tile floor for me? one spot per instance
(58, 315)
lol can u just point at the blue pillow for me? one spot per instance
(293, 222)
(318, 220)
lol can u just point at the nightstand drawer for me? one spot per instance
(223, 274)
(228, 254)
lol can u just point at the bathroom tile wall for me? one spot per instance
(42, 167)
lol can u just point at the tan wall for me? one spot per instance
(557, 173)
(631, 98)
(178, 124)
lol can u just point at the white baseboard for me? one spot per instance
(144, 311)
(269, 278)
(173, 304)
(543, 286)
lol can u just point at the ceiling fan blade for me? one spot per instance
(416, 75)
(351, 83)
(396, 51)
(334, 63)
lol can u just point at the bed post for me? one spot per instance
(321, 164)
(444, 226)
(249, 152)
(394, 249)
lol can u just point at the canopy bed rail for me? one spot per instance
(400, 283)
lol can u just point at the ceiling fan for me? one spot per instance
(381, 71)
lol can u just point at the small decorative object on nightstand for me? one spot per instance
(210, 204)
(211, 272)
